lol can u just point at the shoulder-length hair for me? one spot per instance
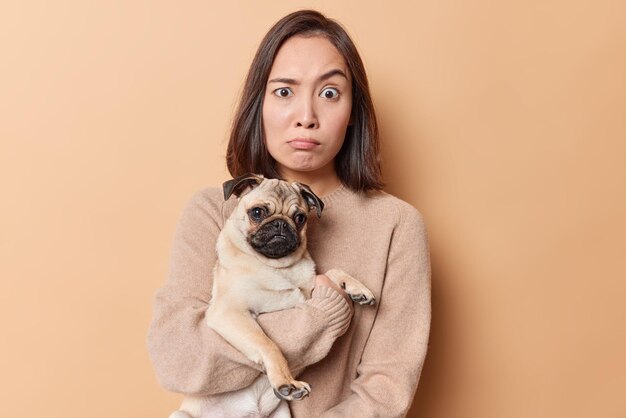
(358, 162)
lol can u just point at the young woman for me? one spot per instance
(306, 115)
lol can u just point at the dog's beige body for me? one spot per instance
(247, 283)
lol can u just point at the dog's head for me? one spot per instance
(271, 216)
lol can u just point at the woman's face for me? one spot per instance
(307, 105)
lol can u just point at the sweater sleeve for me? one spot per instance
(392, 360)
(188, 356)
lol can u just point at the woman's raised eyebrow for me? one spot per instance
(323, 77)
(283, 80)
(332, 73)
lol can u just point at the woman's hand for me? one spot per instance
(323, 280)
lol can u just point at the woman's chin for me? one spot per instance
(308, 165)
(299, 166)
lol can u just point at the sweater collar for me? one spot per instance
(336, 195)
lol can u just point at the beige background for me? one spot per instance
(504, 123)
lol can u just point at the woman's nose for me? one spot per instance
(306, 116)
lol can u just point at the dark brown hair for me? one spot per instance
(358, 161)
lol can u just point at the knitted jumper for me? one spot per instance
(361, 364)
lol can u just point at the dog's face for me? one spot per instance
(272, 215)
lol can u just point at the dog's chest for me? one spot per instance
(298, 276)
(267, 289)
(282, 288)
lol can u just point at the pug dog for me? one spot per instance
(262, 266)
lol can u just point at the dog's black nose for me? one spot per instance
(280, 225)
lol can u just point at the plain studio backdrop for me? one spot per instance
(504, 123)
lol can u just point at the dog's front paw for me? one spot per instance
(354, 288)
(363, 298)
(293, 391)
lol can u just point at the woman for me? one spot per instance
(306, 115)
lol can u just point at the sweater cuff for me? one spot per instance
(335, 307)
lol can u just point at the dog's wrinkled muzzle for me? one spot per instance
(275, 239)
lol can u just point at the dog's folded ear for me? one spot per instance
(312, 200)
(238, 185)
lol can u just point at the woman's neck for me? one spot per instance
(323, 181)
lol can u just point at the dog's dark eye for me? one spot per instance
(257, 213)
(300, 219)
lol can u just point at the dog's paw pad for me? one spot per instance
(292, 392)
(363, 299)
(300, 393)
(285, 390)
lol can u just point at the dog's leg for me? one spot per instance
(269, 300)
(245, 334)
(268, 402)
(179, 414)
(282, 411)
(191, 407)
(354, 288)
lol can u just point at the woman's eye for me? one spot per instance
(329, 93)
(283, 92)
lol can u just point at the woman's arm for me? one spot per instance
(191, 358)
(392, 361)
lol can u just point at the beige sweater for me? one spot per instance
(364, 366)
